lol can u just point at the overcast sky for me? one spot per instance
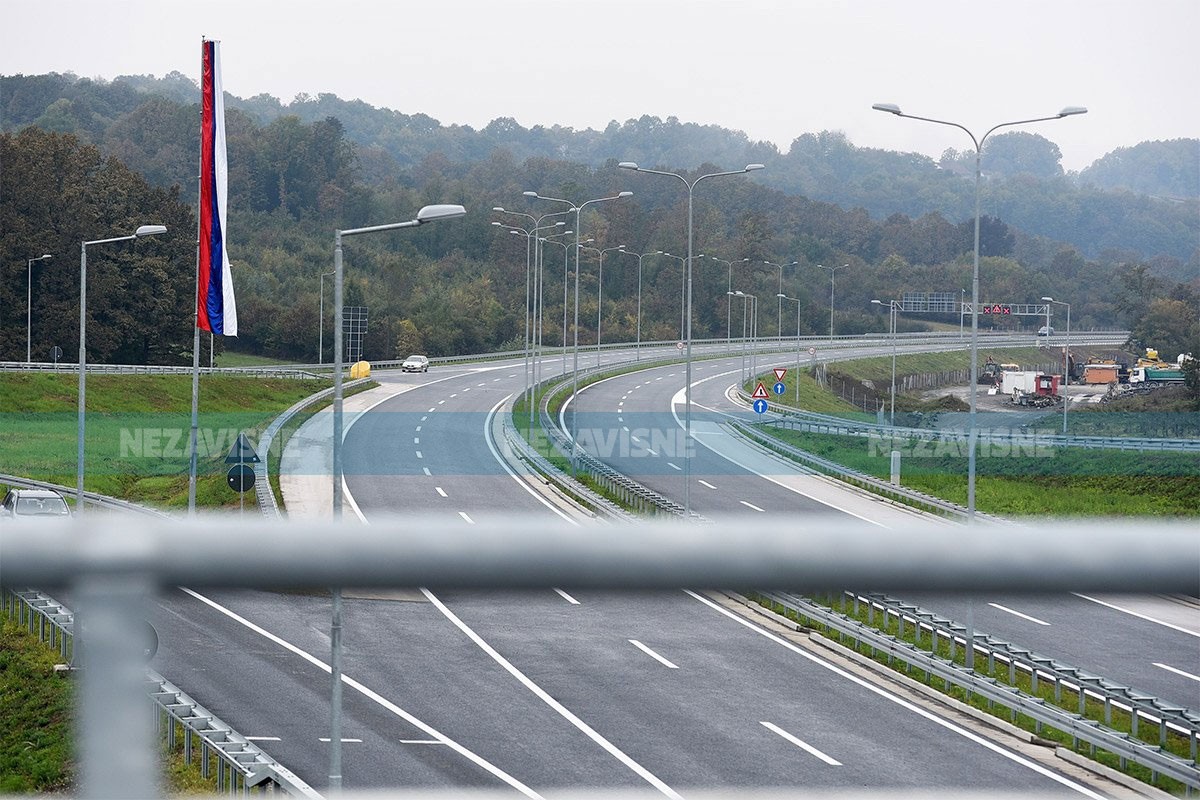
(773, 68)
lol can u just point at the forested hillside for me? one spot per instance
(84, 159)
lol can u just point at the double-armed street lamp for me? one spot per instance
(893, 307)
(683, 274)
(749, 326)
(29, 305)
(638, 346)
(544, 240)
(687, 385)
(973, 433)
(600, 290)
(1066, 355)
(780, 295)
(729, 296)
(578, 209)
(796, 300)
(143, 230)
(832, 271)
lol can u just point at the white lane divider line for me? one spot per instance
(426, 471)
(673, 465)
(1177, 671)
(1136, 614)
(441, 491)
(466, 518)
(623, 427)
(326, 739)
(416, 440)
(419, 454)
(467, 389)
(263, 739)
(478, 385)
(441, 402)
(567, 597)
(653, 654)
(425, 418)
(431, 410)
(454, 395)
(878, 692)
(751, 506)
(370, 695)
(542, 695)
(1019, 614)
(420, 741)
(805, 746)
(706, 483)
(418, 429)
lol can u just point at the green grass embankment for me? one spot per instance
(138, 430)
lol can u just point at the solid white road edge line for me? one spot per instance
(566, 713)
(368, 693)
(934, 718)
(1177, 671)
(653, 654)
(487, 435)
(1136, 614)
(1008, 610)
(805, 746)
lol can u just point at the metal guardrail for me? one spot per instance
(283, 371)
(241, 766)
(869, 482)
(68, 492)
(1096, 735)
(1039, 668)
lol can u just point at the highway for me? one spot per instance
(561, 689)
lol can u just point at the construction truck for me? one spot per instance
(991, 372)
(1029, 388)
(1152, 369)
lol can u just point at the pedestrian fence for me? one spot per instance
(1128, 748)
(235, 765)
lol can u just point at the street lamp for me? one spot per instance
(728, 297)
(893, 307)
(321, 321)
(578, 209)
(780, 295)
(426, 214)
(549, 239)
(687, 385)
(638, 346)
(783, 297)
(29, 306)
(588, 240)
(682, 290)
(1066, 356)
(832, 270)
(973, 433)
(600, 290)
(749, 322)
(143, 230)
(530, 249)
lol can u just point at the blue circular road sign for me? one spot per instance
(779, 388)
(760, 406)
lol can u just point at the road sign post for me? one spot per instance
(241, 477)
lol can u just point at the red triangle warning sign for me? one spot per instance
(760, 392)
(780, 372)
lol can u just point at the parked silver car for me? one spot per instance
(33, 503)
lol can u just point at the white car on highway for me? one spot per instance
(415, 363)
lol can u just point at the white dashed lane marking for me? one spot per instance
(653, 654)
(751, 506)
(440, 491)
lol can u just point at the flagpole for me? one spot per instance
(196, 312)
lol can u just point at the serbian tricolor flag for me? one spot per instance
(216, 310)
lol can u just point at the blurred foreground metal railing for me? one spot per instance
(113, 564)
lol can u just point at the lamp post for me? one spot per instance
(638, 346)
(600, 291)
(780, 295)
(728, 297)
(578, 209)
(973, 433)
(321, 321)
(1066, 355)
(29, 306)
(682, 290)
(893, 307)
(687, 385)
(832, 270)
(566, 251)
(783, 297)
(143, 230)
(426, 214)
